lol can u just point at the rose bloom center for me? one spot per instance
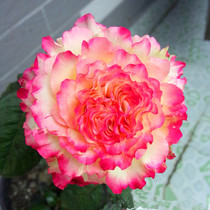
(109, 111)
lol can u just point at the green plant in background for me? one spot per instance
(16, 158)
(91, 197)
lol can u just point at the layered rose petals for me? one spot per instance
(102, 106)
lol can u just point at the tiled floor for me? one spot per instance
(186, 182)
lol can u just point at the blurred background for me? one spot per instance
(184, 25)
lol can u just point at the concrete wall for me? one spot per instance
(23, 23)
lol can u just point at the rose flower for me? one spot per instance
(103, 106)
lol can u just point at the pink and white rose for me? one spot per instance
(103, 106)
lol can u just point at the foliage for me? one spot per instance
(16, 158)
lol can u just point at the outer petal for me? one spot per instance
(174, 133)
(48, 145)
(29, 126)
(88, 21)
(109, 162)
(138, 149)
(172, 95)
(70, 166)
(80, 181)
(137, 72)
(57, 117)
(152, 121)
(42, 108)
(156, 152)
(129, 146)
(157, 68)
(63, 68)
(155, 46)
(77, 139)
(142, 48)
(89, 66)
(60, 180)
(28, 75)
(40, 63)
(67, 102)
(92, 175)
(51, 47)
(97, 179)
(98, 48)
(122, 58)
(87, 158)
(25, 95)
(72, 40)
(176, 70)
(119, 36)
(134, 177)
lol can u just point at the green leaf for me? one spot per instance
(16, 158)
(51, 198)
(112, 206)
(123, 200)
(11, 88)
(127, 197)
(19, 75)
(39, 207)
(90, 197)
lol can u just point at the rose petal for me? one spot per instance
(60, 180)
(72, 40)
(157, 68)
(142, 48)
(88, 21)
(51, 47)
(98, 48)
(134, 177)
(122, 58)
(67, 102)
(89, 66)
(43, 106)
(156, 152)
(63, 68)
(110, 162)
(119, 36)
(172, 95)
